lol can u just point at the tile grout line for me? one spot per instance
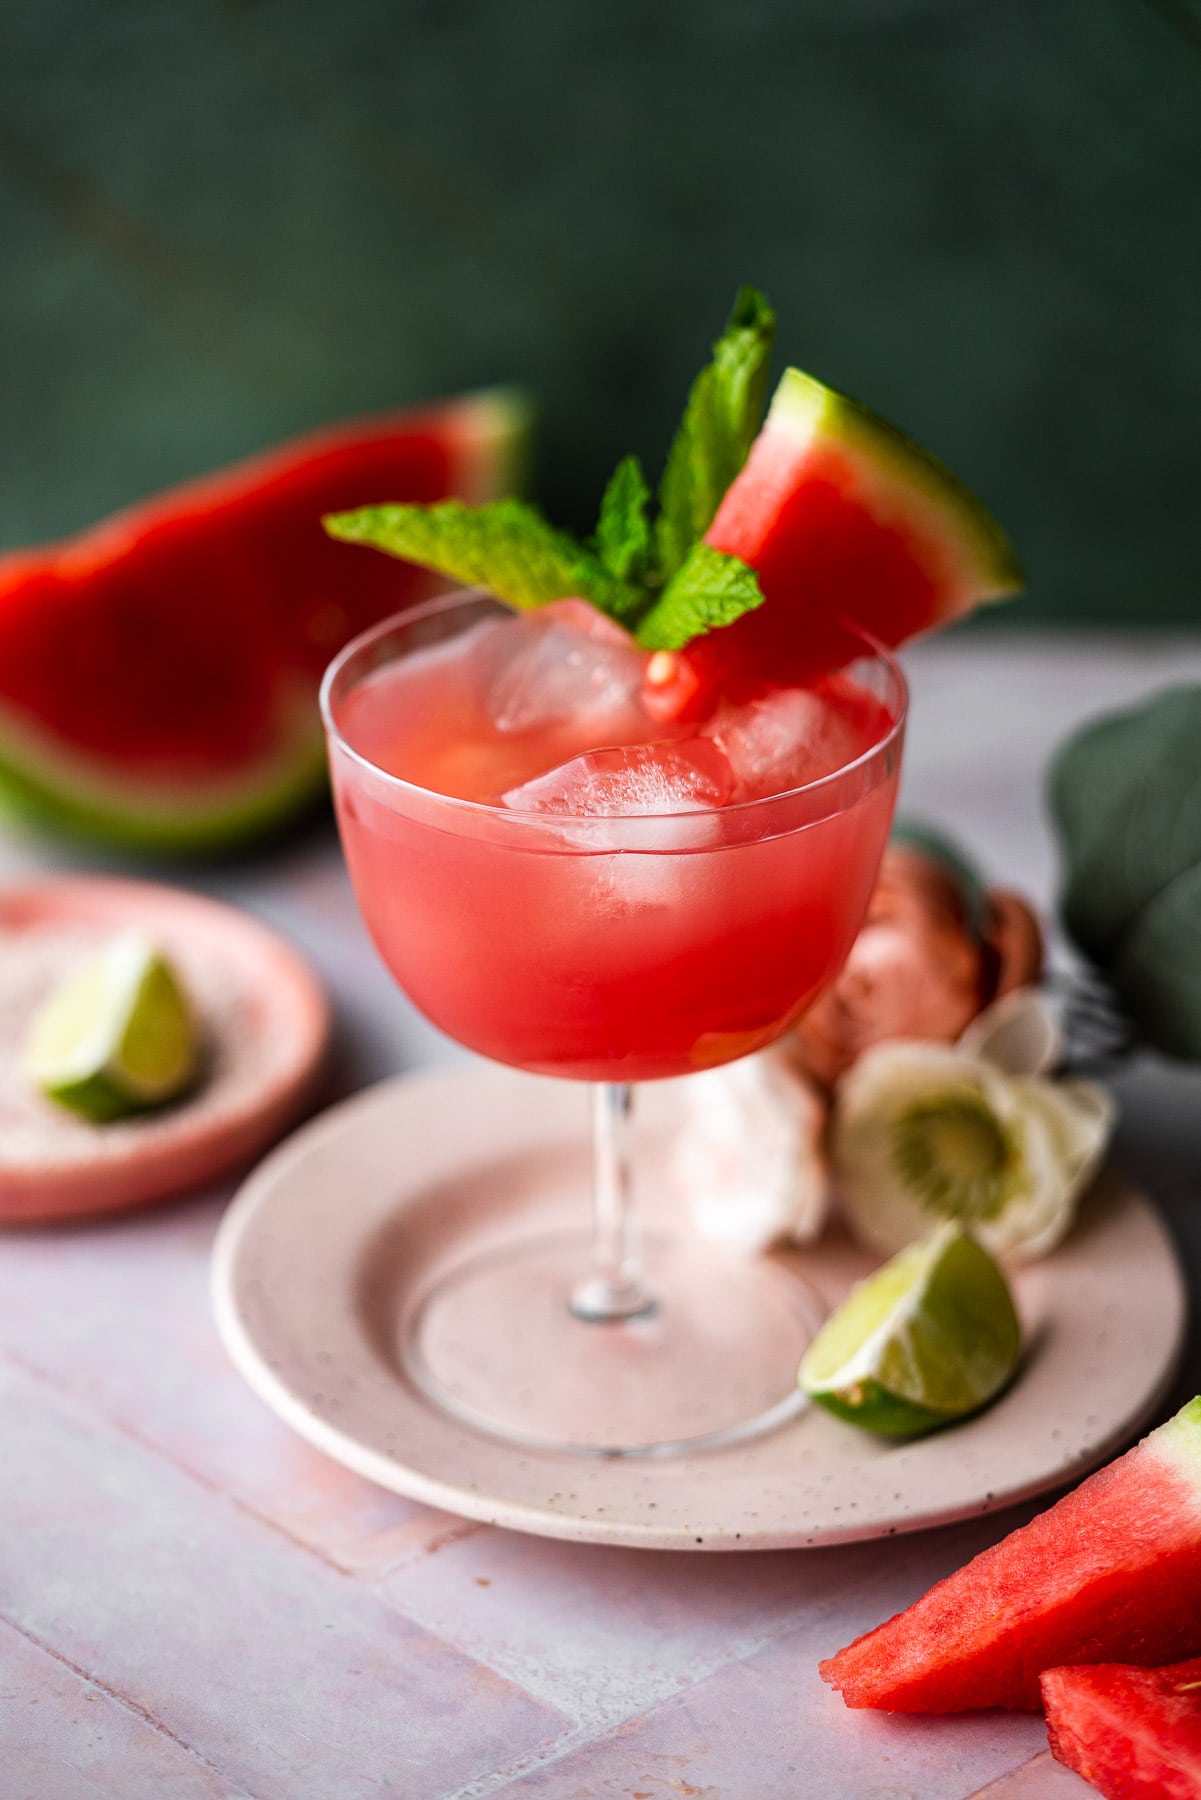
(79, 1398)
(584, 1735)
(456, 1532)
(233, 1790)
(533, 1763)
(1012, 1785)
(582, 1730)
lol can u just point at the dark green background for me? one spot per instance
(226, 220)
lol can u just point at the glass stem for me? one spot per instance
(615, 1288)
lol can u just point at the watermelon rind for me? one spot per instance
(1179, 1442)
(807, 409)
(498, 426)
(873, 1408)
(1109, 1573)
(47, 782)
(491, 428)
(58, 792)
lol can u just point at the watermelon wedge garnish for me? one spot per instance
(1112, 1573)
(1134, 1733)
(842, 517)
(159, 672)
(774, 543)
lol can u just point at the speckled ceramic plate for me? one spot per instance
(265, 1025)
(323, 1244)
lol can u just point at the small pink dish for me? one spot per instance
(264, 1018)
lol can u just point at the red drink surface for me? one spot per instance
(551, 924)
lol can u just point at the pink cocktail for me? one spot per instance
(564, 884)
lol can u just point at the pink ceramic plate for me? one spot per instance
(265, 1022)
(343, 1227)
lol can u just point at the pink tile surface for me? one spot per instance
(1042, 1778)
(117, 1314)
(64, 1738)
(290, 1679)
(282, 1622)
(605, 1634)
(767, 1728)
(245, 1591)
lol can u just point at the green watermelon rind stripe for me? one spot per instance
(805, 406)
(1180, 1442)
(497, 448)
(52, 787)
(115, 813)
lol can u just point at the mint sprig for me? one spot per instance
(623, 531)
(658, 578)
(723, 413)
(506, 546)
(707, 591)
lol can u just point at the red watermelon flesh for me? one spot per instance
(1112, 1573)
(1134, 1733)
(158, 673)
(842, 517)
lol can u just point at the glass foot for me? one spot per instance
(497, 1344)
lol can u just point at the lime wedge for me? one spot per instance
(116, 1037)
(928, 1338)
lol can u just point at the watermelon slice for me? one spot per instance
(1112, 1573)
(1134, 1733)
(158, 673)
(842, 517)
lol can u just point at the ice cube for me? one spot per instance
(635, 812)
(783, 739)
(585, 618)
(564, 665)
(637, 781)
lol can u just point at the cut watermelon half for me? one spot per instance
(158, 673)
(1112, 1573)
(844, 519)
(1134, 1733)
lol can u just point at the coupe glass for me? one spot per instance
(609, 950)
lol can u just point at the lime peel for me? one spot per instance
(116, 1037)
(929, 1338)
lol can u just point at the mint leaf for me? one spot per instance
(710, 589)
(722, 415)
(662, 582)
(623, 532)
(506, 546)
